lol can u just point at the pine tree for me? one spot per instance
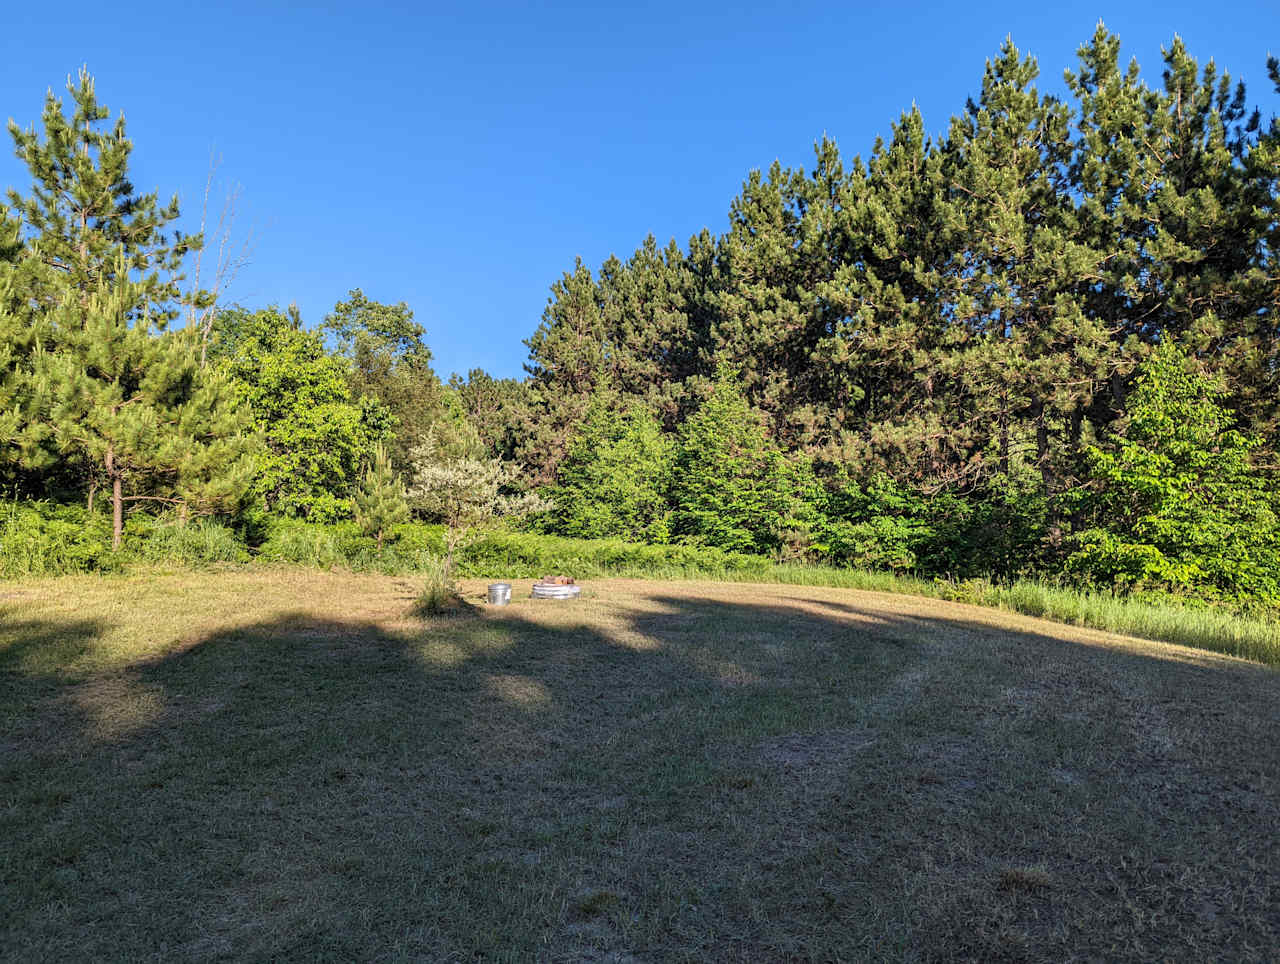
(650, 346)
(496, 408)
(1254, 370)
(84, 216)
(12, 389)
(107, 396)
(567, 368)
(1164, 185)
(1028, 355)
(133, 404)
(767, 316)
(21, 331)
(889, 394)
(380, 499)
(729, 487)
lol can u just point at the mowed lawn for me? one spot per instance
(286, 764)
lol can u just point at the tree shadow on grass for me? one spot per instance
(691, 777)
(42, 648)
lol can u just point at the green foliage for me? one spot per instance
(195, 543)
(380, 499)
(316, 437)
(879, 526)
(524, 555)
(389, 362)
(730, 484)
(884, 524)
(376, 336)
(614, 480)
(1176, 501)
(407, 547)
(305, 543)
(45, 539)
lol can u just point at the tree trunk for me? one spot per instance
(1042, 449)
(117, 500)
(1117, 390)
(93, 490)
(1004, 435)
(450, 540)
(117, 514)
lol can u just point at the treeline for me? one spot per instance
(989, 351)
(1044, 342)
(948, 308)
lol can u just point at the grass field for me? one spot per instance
(288, 764)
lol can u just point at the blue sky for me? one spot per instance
(458, 157)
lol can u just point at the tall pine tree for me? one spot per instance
(84, 220)
(106, 396)
(1028, 355)
(130, 402)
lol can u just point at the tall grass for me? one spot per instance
(524, 556)
(298, 542)
(1165, 620)
(438, 588)
(195, 543)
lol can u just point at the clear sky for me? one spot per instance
(459, 156)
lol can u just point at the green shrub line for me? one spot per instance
(44, 539)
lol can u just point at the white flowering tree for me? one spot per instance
(464, 491)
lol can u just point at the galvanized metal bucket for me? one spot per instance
(499, 593)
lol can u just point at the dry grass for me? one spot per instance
(290, 764)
